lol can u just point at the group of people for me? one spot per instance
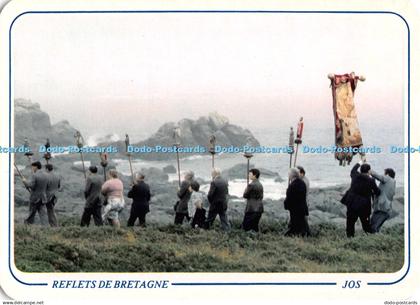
(105, 199)
(363, 191)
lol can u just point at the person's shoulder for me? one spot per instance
(96, 178)
(42, 174)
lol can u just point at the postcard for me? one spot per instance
(201, 152)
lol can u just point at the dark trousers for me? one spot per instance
(298, 225)
(377, 220)
(352, 216)
(94, 212)
(251, 221)
(52, 219)
(223, 219)
(179, 218)
(133, 217)
(37, 207)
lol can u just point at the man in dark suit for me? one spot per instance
(184, 195)
(93, 198)
(358, 198)
(253, 194)
(140, 193)
(217, 197)
(53, 186)
(296, 203)
(38, 198)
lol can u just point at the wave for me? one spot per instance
(94, 140)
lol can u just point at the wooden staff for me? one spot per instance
(127, 143)
(47, 155)
(298, 139)
(79, 143)
(248, 157)
(21, 177)
(104, 162)
(291, 145)
(177, 136)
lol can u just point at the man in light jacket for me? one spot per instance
(38, 198)
(382, 204)
(218, 200)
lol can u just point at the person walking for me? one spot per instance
(38, 197)
(254, 194)
(53, 186)
(358, 197)
(112, 189)
(382, 204)
(94, 198)
(140, 193)
(295, 203)
(184, 195)
(218, 200)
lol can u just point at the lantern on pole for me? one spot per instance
(212, 149)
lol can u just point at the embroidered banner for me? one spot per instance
(347, 132)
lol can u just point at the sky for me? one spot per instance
(117, 72)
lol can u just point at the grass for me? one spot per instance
(71, 248)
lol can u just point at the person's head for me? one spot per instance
(36, 166)
(112, 174)
(49, 167)
(254, 174)
(390, 172)
(301, 171)
(189, 175)
(215, 172)
(365, 168)
(93, 169)
(293, 173)
(195, 186)
(140, 177)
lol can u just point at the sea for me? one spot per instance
(321, 168)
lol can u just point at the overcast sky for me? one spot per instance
(117, 72)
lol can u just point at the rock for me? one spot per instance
(154, 174)
(268, 173)
(62, 132)
(238, 171)
(238, 136)
(193, 133)
(35, 125)
(217, 121)
(279, 179)
(169, 169)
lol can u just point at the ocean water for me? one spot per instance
(321, 168)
